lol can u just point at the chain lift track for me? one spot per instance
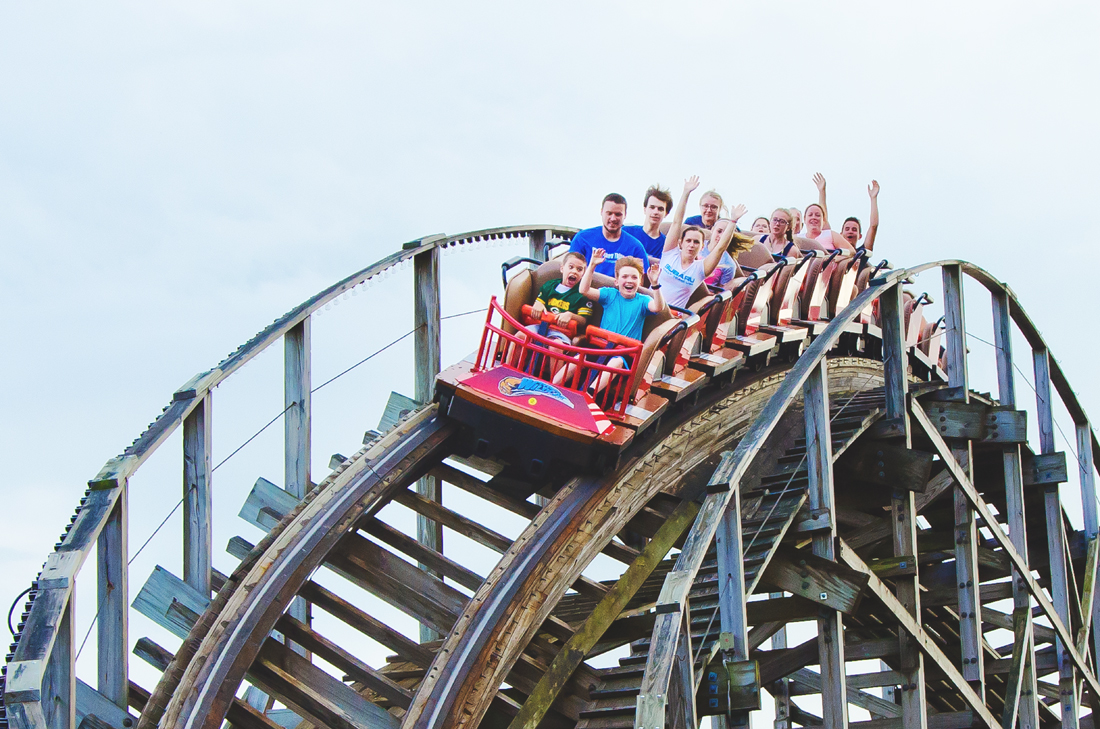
(784, 495)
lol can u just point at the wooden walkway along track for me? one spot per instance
(791, 496)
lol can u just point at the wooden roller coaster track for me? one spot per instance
(883, 514)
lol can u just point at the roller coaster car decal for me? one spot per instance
(570, 408)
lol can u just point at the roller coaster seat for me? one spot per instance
(524, 287)
(755, 257)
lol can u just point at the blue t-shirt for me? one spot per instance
(587, 240)
(697, 220)
(623, 316)
(655, 247)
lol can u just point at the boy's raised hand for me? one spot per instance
(691, 183)
(597, 257)
(737, 211)
(654, 273)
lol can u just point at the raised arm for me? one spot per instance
(673, 238)
(714, 257)
(872, 224)
(585, 286)
(819, 180)
(656, 302)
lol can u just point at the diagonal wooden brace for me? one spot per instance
(1003, 541)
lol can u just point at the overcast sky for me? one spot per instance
(173, 176)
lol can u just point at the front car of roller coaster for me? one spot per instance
(802, 452)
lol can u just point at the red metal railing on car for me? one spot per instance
(562, 364)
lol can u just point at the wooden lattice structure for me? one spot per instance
(859, 488)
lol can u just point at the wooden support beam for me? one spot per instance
(965, 529)
(313, 693)
(1087, 476)
(1022, 699)
(399, 583)
(733, 615)
(297, 423)
(112, 605)
(369, 626)
(816, 578)
(59, 681)
(1020, 565)
(817, 683)
(427, 363)
(903, 511)
(819, 460)
(924, 642)
(1059, 577)
(537, 244)
(313, 641)
(732, 608)
(572, 654)
(781, 692)
(198, 496)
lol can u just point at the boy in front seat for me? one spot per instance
(624, 308)
(560, 297)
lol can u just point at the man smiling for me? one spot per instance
(610, 237)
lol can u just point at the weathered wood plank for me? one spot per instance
(312, 693)
(923, 641)
(1029, 581)
(313, 641)
(1025, 701)
(403, 585)
(369, 626)
(297, 422)
(816, 578)
(426, 366)
(112, 624)
(170, 602)
(198, 496)
(266, 504)
(572, 654)
(819, 458)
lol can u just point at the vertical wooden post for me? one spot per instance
(1087, 474)
(732, 613)
(537, 244)
(1022, 697)
(426, 348)
(782, 695)
(914, 711)
(1059, 578)
(297, 429)
(59, 683)
(197, 496)
(830, 629)
(112, 626)
(966, 532)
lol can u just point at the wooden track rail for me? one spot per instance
(908, 521)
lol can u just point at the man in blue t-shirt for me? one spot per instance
(657, 204)
(610, 237)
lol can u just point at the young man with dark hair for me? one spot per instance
(610, 237)
(657, 204)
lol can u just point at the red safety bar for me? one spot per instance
(564, 365)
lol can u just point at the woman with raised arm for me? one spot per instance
(682, 269)
(852, 230)
(816, 219)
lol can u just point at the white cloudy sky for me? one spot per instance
(173, 176)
